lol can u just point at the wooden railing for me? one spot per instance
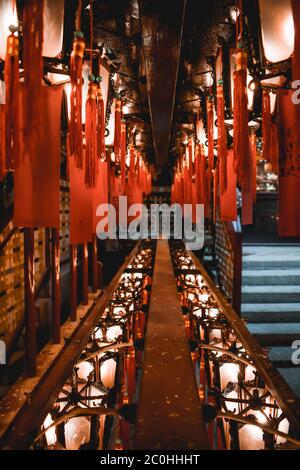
(220, 338)
(228, 248)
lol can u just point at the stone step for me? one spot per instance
(292, 377)
(264, 277)
(271, 250)
(259, 262)
(278, 307)
(281, 354)
(275, 334)
(271, 294)
(256, 316)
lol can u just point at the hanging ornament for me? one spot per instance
(117, 139)
(222, 140)
(75, 127)
(33, 73)
(253, 157)
(12, 100)
(240, 118)
(123, 153)
(210, 131)
(274, 148)
(91, 160)
(2, 142)
(266, 124)
(100, 122)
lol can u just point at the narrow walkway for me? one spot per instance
(169, 414)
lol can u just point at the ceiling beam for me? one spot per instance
(161, 27)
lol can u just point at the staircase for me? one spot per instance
(271, 303)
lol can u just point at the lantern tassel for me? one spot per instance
(2, 142)
(266, 125)
(210, 131)
(222, 141)
(117, 139)
(33, 72)
(91, 160)
(123, 153)
(240, 118)
(100, 123)
(75, 127)
(12, 94)
(253, 157)
(274, 151)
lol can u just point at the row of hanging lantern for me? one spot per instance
(247, 415)
(95, 108)
(208, 170)
(96, 407)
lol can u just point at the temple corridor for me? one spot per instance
(149, 229)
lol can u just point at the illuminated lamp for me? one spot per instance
(53, 27)
(104, 74)
(251, 88)
(277, 30)
(109, 139)
(77, 432)
(8, 17)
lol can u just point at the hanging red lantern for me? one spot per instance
(222, 141)
(75, 127)
(12, 100)
(240, 125)
(91, 165)
(100, 122)
(123, 153)
(33, 73)
(117, 138)
(266, 124)
(210, 131)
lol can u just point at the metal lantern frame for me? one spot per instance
(89, 397)
(215, 341)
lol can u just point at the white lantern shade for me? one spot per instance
(251, 438)
(51, 437)
(104, 73)
(108, 372)
(109, 140)
(53, 27)
(8, 16)
(77, 432)
(277, 28)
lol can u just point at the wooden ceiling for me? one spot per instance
(162, 51)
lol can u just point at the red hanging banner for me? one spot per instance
(36, 178)
(12, 101)
(274, 151)
(100, 192)
(228, 203)
(2, 142)
(210, 131)
(222, 138)
(33, 73)
(91, 158)
(81, 205)
(252, 139)
(266, 124)
(289, 167)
